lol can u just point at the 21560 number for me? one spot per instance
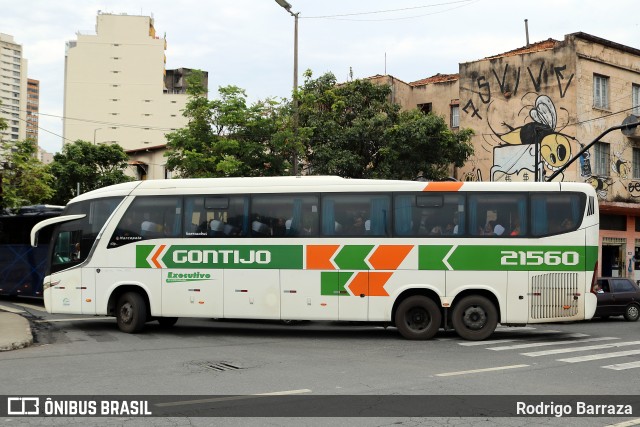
(539, 258)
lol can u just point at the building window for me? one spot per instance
(426, 108)
(600, 91)
(601, 159)
(455, 116)
(635, 99)
(636, 163)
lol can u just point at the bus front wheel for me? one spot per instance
(474, 318)
(131, 312)
(418, 318)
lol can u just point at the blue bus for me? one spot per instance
(22, 267)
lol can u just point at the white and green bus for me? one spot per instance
(416, 255)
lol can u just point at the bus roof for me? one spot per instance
(312, 184)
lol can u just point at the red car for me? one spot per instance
(617, 296)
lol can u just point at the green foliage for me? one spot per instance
(354, 130)
(423, 143)
(25, 180)
(92, 166)
(227, 137)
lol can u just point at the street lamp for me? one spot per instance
(287, 6)
(94, 135)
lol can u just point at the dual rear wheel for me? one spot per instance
(474, 318)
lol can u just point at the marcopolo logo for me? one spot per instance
(187, 277)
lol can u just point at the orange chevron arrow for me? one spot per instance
(360, 284)
(389, 257)
(377, 280)
(154, 258)
(319, 257)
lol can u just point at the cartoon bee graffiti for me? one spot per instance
(600, 184)
(555, 147)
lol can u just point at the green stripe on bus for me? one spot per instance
(334, 283)
(506, 257)
(351, 257)
(226, 256)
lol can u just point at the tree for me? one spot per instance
(25, 180)
(422, 144)
(353, 130)
(90, 166)
(226, 137)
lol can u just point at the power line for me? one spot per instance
(341, 17)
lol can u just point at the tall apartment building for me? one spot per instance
(13, 89)
(535, 108)
(115, 91)
(33, 106)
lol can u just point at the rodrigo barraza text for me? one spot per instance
(574, 409)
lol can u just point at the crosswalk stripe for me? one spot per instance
(599, 356)
(576, 349)
(548, 343)
(73, 319)
(473, 343)
(475, 371)
(11, 309)
(623, 366)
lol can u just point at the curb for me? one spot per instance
(21, 324)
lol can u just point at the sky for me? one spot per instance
(249, 43)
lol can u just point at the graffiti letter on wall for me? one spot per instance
(504, 88)
(486, 86)
(536, 82)
(473, 107)
(559, 76)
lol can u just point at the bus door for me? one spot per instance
(66, 285)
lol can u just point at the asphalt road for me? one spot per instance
(80, 355)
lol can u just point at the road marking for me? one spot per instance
(623, 366)
(629, 423)
(575, 349)
(472, 343)
(547, 343)
(11, 309)
(224, 399)
(599, 356)
(74, 319)
(474, 371)
(31, 306)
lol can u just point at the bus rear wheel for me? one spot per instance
(474, 318)
(418, 318)
(131, 312)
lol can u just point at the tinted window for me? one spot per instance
(356, 215)
(622, 285)
(216, 216)
(74, 239)
(284, 216)
(555, 213)
(429, 214)
(149, 217)
(497, 214)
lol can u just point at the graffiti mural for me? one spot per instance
(524, 110)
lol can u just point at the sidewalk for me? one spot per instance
(15, 331)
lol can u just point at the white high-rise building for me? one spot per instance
(13, 89)
(115, 92)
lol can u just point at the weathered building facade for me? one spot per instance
(535, 108)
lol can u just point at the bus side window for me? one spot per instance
(556, 213)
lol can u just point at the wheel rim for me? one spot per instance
(417, 319)
(474, 317)
(126, 313)
(632, 312)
